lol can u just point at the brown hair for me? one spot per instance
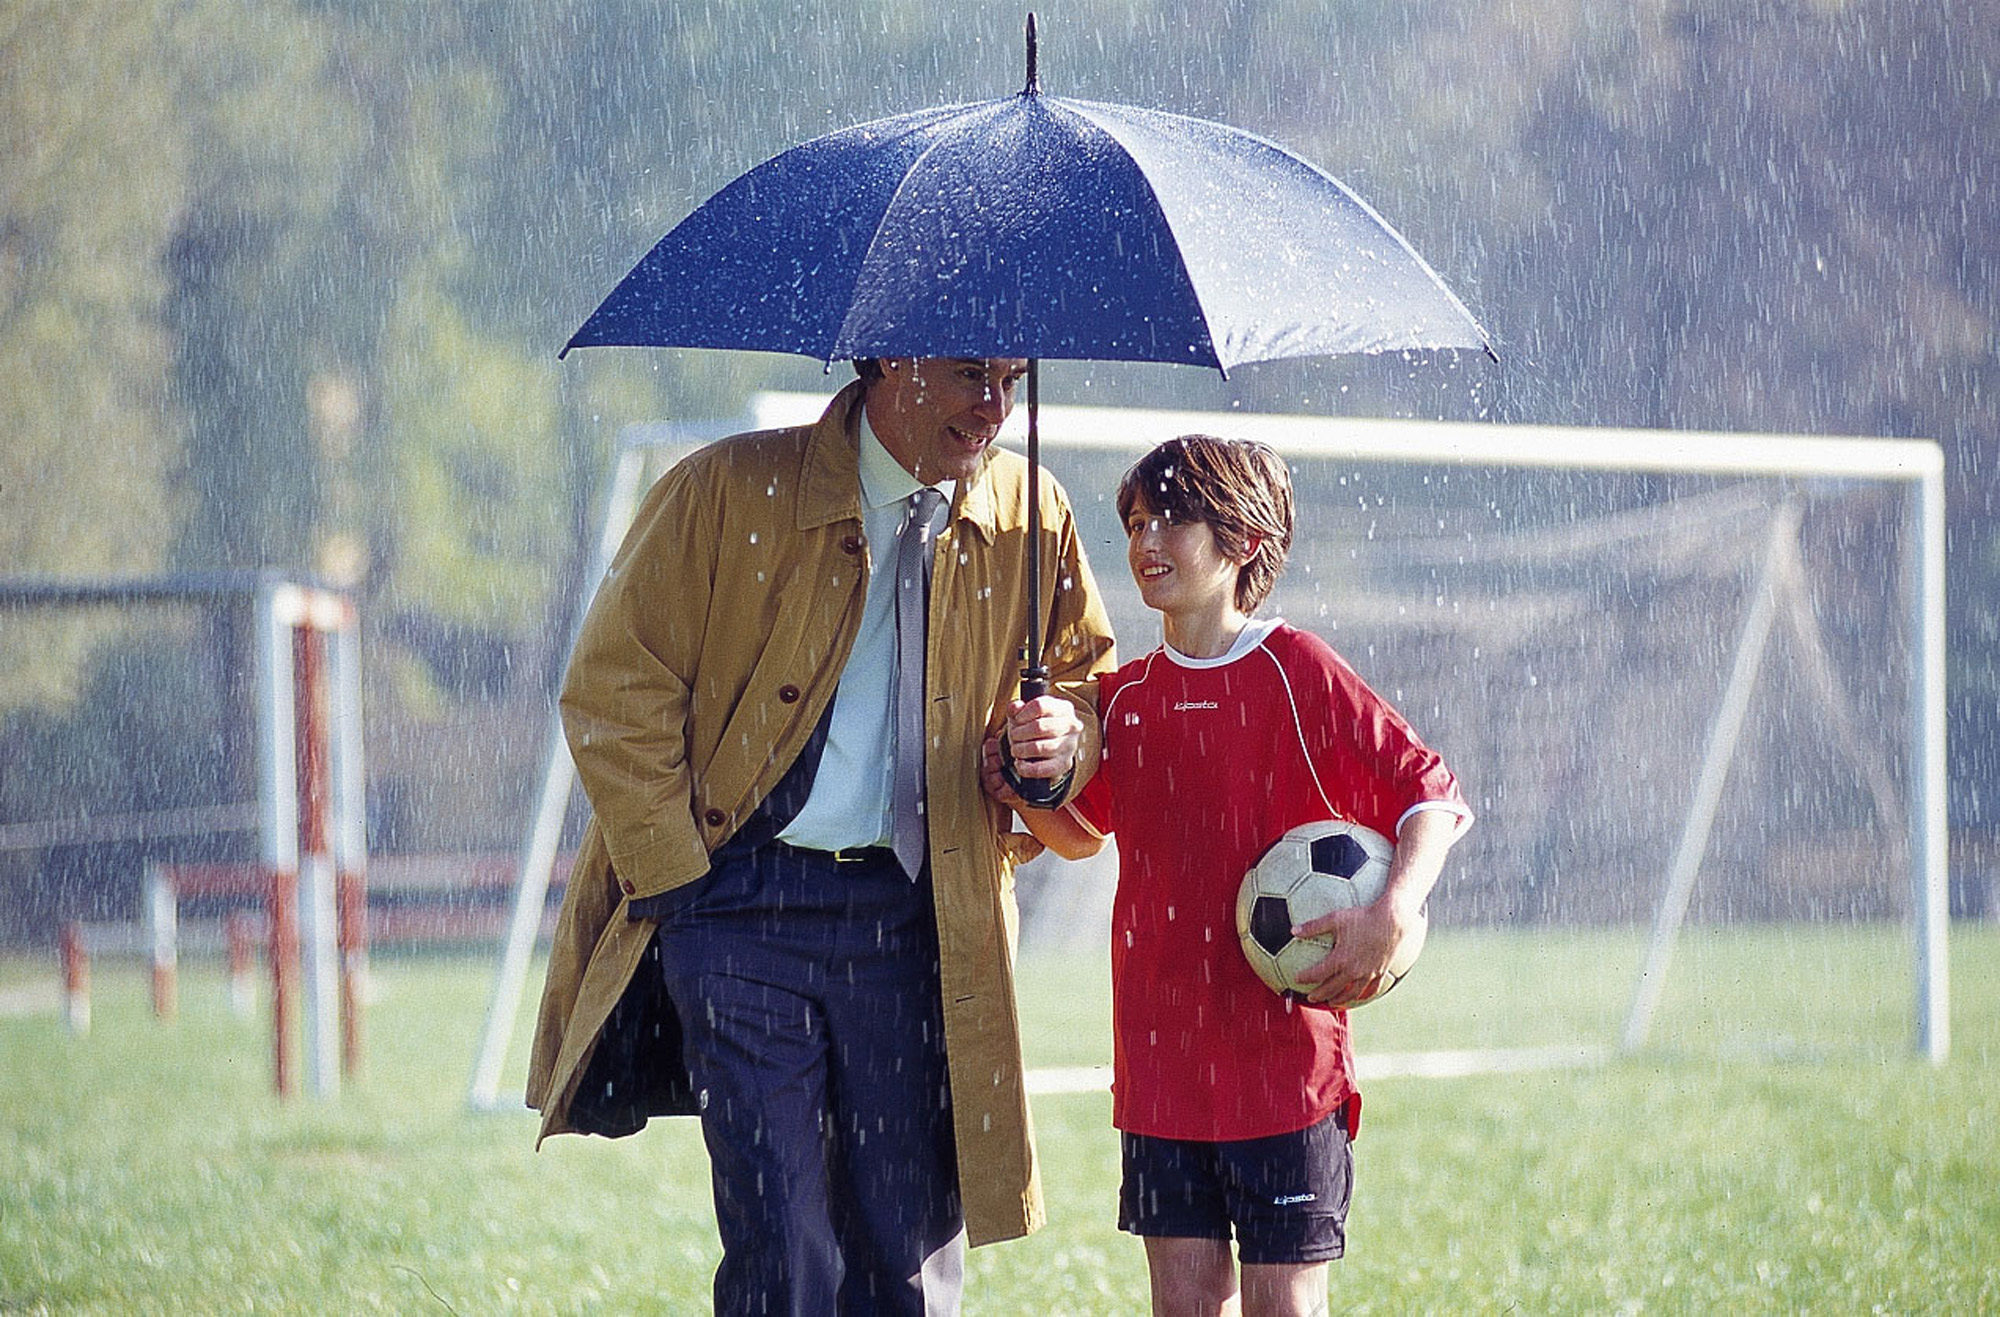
(1240, 488)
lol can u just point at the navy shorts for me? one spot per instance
(1284, 1197)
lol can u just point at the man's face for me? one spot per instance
(936, 415)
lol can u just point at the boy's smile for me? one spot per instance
(1183, 574)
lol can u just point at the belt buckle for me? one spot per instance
(852, 855)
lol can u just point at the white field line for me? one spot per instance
(1387, 1065)
(29, 999)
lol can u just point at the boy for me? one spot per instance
(1235, 1106)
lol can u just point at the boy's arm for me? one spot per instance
(1365, 939)
(1058, 829)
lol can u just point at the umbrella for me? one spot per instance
(1035, 226)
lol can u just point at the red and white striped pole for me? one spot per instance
(350, 833)
(318, 932)
(242, 963)
(277, 773)
(310, 773)
(75, 958)
(162, 938)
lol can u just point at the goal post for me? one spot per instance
(641, 453)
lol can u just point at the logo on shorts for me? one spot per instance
(1286, 1200)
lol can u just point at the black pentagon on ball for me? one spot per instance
(1340, 855)
(1271, 923)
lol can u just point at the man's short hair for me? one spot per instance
(1241, 488)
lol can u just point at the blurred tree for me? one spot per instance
(258, 298)
(88, 447)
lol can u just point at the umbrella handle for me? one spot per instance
(1037, 792)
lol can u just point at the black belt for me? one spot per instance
(845, 855)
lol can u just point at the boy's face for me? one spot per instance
(1179, 567)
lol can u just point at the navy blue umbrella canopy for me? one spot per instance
(1036, 226)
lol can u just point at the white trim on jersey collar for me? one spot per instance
(1252, 635)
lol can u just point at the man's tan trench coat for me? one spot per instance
(711, 650)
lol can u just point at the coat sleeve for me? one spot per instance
(626, 693)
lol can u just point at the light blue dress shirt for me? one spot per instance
(850, 800)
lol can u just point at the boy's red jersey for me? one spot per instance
(1206, 763)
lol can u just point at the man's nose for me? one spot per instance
(995, 402)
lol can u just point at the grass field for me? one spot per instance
(1777, 1149)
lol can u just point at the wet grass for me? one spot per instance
(1776, 1148)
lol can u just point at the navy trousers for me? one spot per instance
(808, 991)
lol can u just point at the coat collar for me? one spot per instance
(830, 480)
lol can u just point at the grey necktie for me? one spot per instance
(913, 580)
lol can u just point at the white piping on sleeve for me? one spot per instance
(1298, 729)
(1451, 807)
(1076, 816)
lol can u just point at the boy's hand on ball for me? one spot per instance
(1364, 944)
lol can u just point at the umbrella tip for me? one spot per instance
(1034, 87)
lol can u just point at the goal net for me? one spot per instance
(1690, 683)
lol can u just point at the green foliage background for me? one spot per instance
(281, 281)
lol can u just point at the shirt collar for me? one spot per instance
(1254, 633)
(884, 480)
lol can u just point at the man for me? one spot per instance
(752, 929)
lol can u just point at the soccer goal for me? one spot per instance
(307, 815)
(1686, 678)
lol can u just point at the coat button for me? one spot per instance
(625, 886)
(714, 818)
(788, 694)
(852, 544)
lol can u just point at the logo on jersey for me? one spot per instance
(1185, 705)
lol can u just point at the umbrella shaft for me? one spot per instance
(1032, 657)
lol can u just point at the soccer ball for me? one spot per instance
(1314, 869)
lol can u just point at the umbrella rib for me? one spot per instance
(935, 143)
